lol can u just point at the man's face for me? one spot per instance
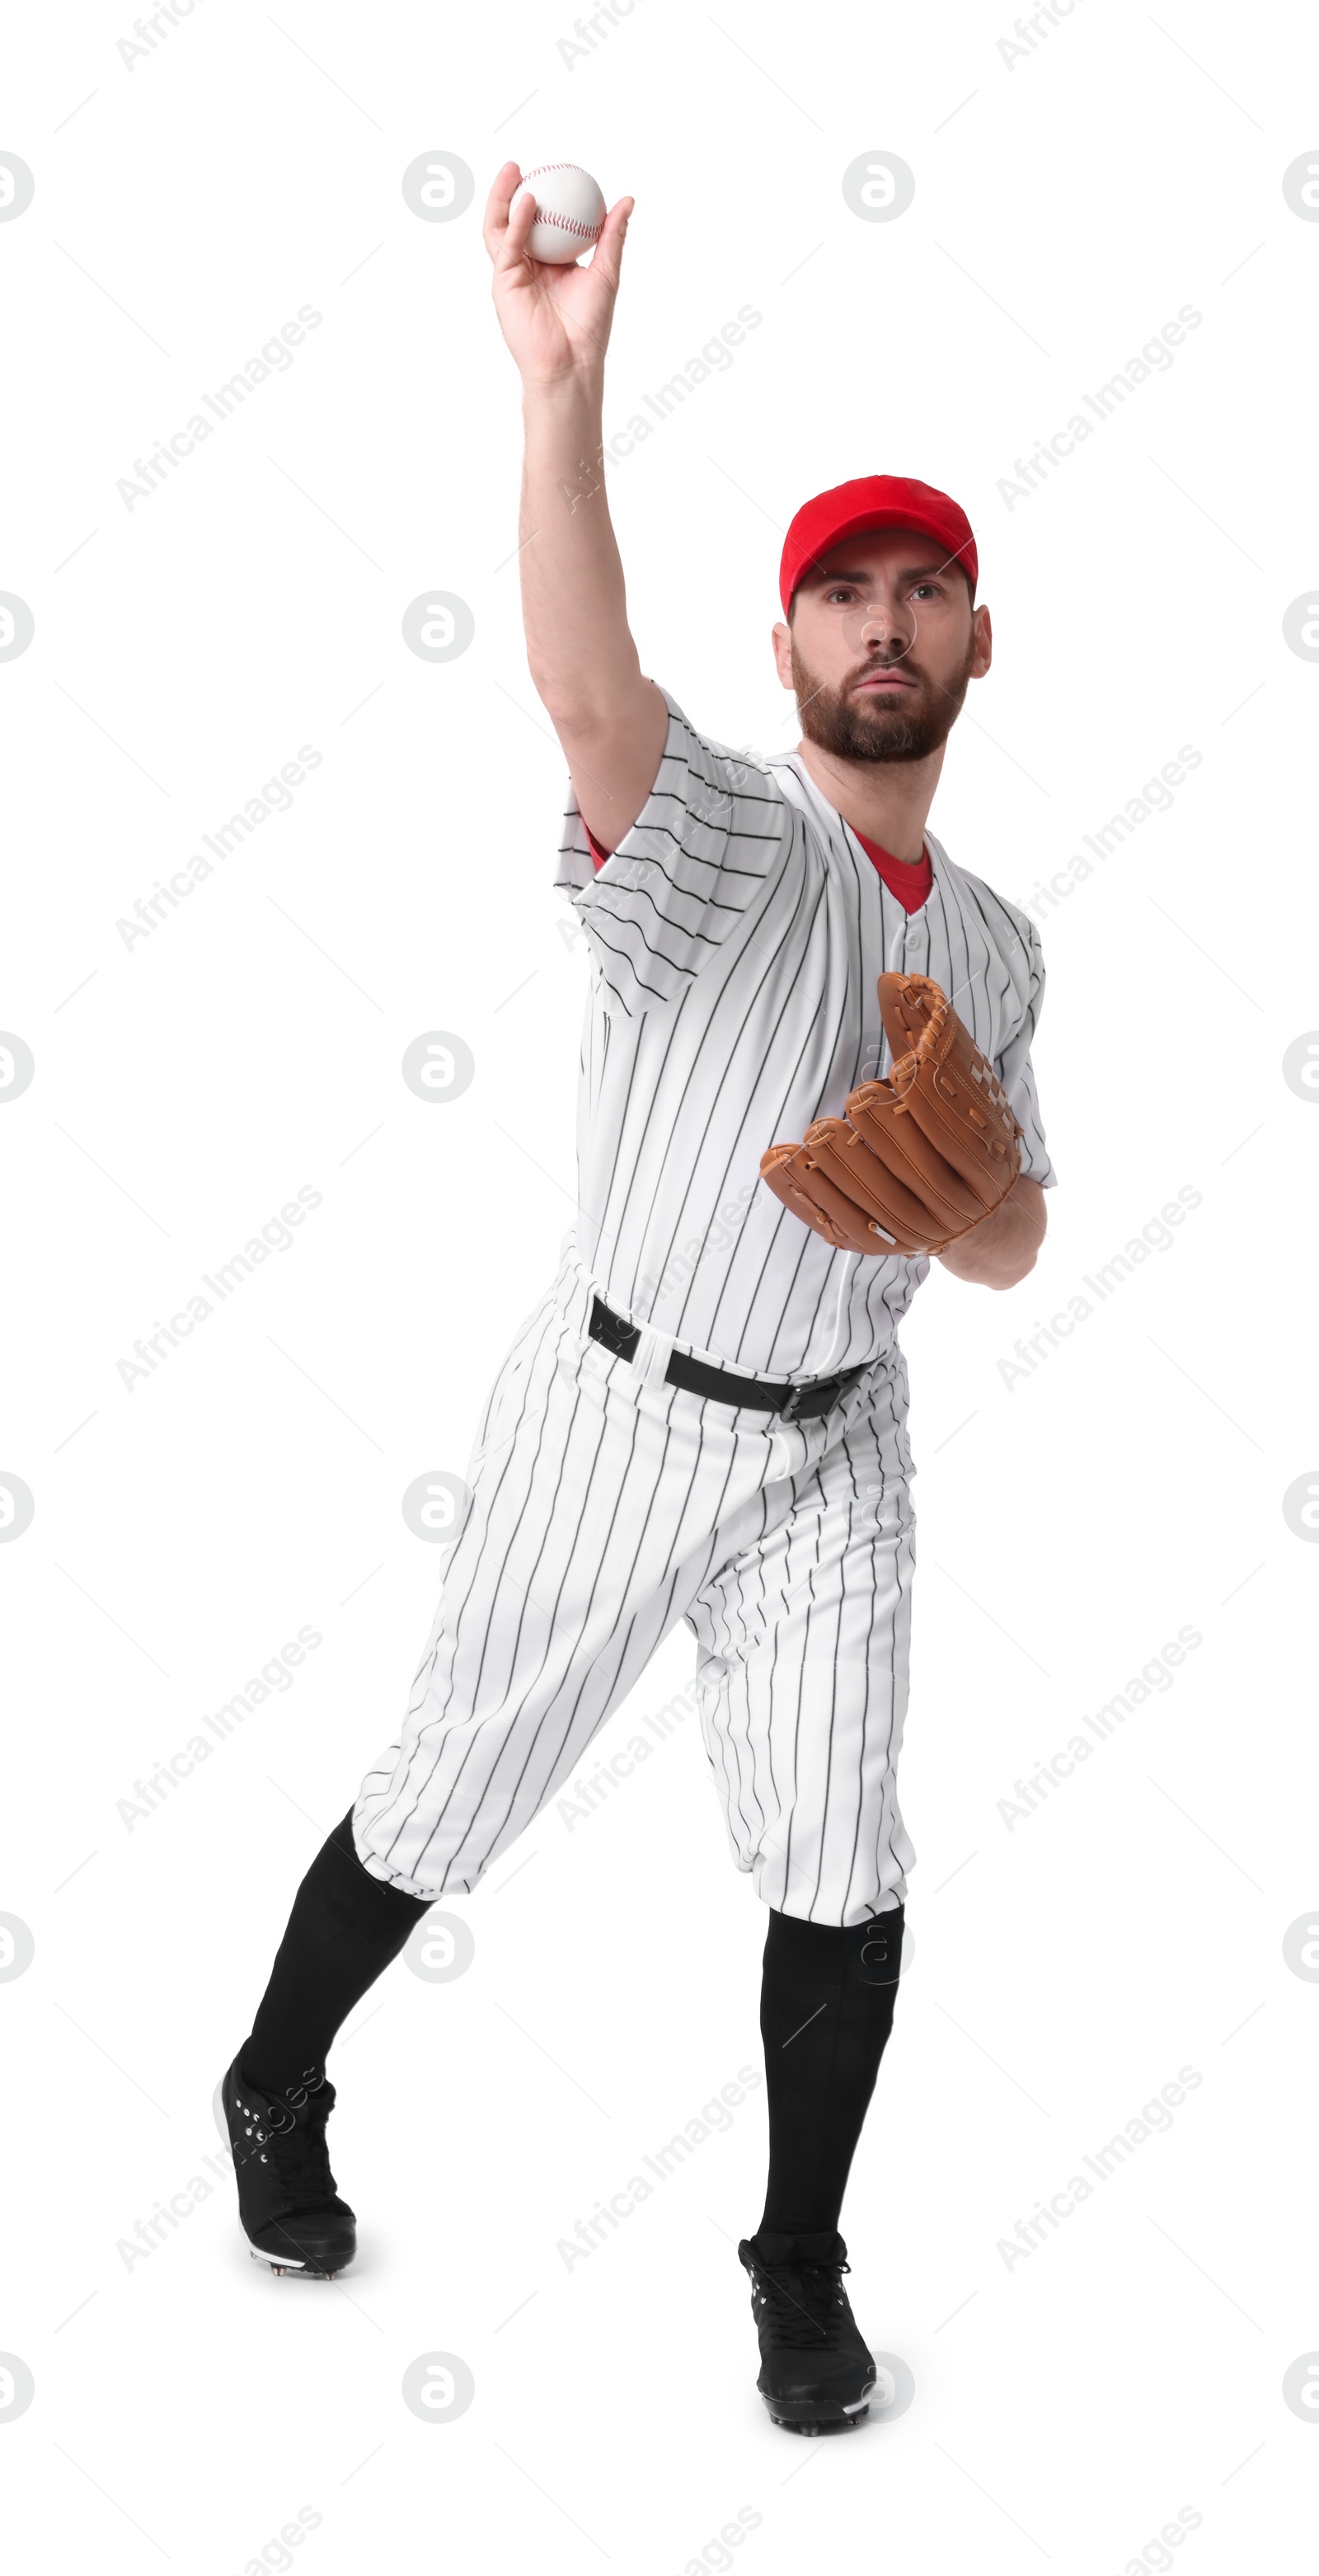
(882, 643)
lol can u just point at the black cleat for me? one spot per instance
(292, 2214)
(816, 2374)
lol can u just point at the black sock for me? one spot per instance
(826, 2009)
(344, 1929)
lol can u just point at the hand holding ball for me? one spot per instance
(569, 212)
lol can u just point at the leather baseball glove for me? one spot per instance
(918, 1160)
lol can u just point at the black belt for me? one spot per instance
(791, 1403)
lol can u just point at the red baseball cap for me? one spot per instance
(874, 501)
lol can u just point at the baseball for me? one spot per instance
(569, 212)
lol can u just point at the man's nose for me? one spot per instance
(880, 630)
(879, 633)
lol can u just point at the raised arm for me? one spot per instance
(609, 718)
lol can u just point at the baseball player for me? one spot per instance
(805, 1074)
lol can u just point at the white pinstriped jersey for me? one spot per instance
(737, 934)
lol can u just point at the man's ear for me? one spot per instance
(781, 638)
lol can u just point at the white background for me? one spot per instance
(1067, 204)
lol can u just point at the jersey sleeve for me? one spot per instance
(694, 872)
(1013, 1062)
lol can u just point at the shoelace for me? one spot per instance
(805, 2303)
(302, 2158)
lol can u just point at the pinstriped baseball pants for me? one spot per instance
(607, 1506)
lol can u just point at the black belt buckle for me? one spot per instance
(806, 1403)
(613, 1330)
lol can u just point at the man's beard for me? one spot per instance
(913, 724)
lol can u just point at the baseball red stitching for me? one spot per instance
(544, 214)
